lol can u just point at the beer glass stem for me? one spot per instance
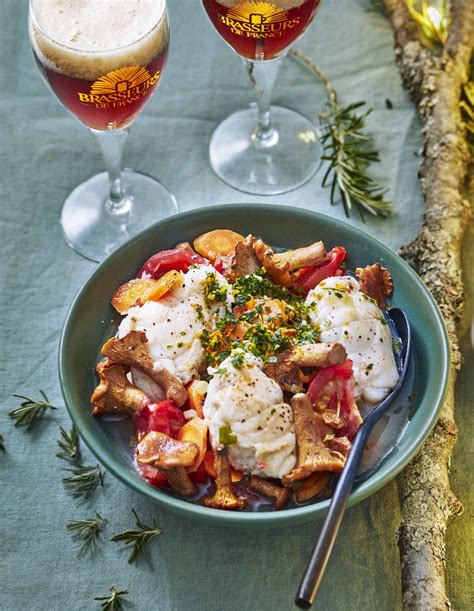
(111, 143)
(262, 75)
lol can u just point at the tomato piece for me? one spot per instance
(140, 420)
(333, 389)
(167, 260)
(200, 475)
(218, 265)
(165, 417)
(153, 476)
(321, 379)
(312, 276)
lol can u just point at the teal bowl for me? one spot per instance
(91, 320)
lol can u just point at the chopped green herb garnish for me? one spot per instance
(214, 291)
(237, 359)
(199, 314)
(226, 437)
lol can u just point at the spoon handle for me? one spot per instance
(313, 575)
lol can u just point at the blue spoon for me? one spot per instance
(314, 573)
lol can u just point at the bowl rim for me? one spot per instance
(272, 518)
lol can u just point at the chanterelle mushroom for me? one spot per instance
(312, 453)
(376, 282)
(131, 351)
(285, 369)
(302, 257)
(242, 261)
(171, 457)
(224, 497)
(279, 495)
(114, 394)
(278, 271)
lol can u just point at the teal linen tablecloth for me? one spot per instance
(45, 153)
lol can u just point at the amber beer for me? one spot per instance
(105, 88)
(260, 30)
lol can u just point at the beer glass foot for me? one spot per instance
(286, 161)
(94, 231)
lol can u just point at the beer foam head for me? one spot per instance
(89, 38)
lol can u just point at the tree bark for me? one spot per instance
(435, 85)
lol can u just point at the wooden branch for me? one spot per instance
(435, 82)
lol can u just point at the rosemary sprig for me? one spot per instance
(84, 480)
(89, 531)
(347, 149)
(2, 445)
(30, 411)
(69, 445)
(139, 538)
(344, 147)
(112, 602)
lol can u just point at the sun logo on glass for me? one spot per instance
(257, 13)
(120, 80)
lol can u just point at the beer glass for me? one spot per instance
(268, 149)
(104, 60)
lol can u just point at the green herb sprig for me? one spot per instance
(139, 538)
(83, 481)
(69, 445)
(89, 532)
(348, 150)
(112, 602)
(30, 411)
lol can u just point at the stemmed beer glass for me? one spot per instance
(270, 150)
(104, 60)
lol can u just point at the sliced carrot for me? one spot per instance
(129, 293)
(139, 290)
(217, 242)
(196, 395)
(167, 283)
(236, 475)
(312, 486)
(195, 430)
(209, 461)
